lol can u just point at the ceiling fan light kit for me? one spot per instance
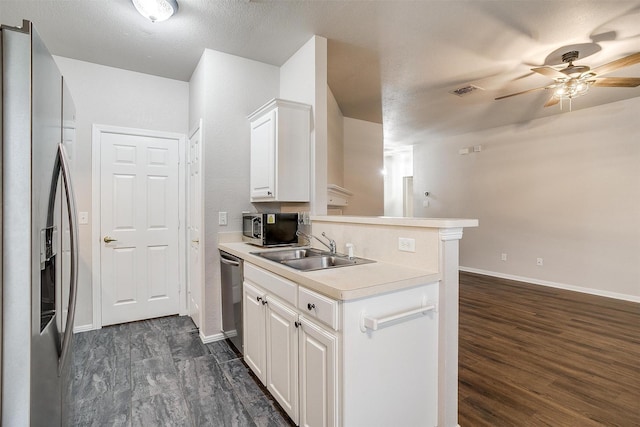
(575, 80)
(156, 10)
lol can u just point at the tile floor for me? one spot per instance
(158, 373)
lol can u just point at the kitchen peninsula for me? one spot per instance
(373, 344)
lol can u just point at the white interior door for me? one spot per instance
(139, 260)
(194, 225)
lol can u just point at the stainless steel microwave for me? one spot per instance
(270, 229)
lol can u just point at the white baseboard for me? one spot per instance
(591, 291)
(232, 333)
(211, 338)
(83, 328)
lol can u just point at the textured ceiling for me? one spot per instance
(393, 62)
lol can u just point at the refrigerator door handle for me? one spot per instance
(73, 239)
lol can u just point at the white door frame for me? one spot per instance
(198, 126)
(96, 284)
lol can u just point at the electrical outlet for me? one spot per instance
(406, 244)
(503, 257)
(222, 218)
(539, 261)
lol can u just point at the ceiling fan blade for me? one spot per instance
(618, 63)
(552, 101)
(523, 92)
(617, 82)
(549, 72)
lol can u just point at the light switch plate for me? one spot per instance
(222, 218)
(83, 217)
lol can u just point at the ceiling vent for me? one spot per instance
(466, 90)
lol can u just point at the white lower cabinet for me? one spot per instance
(293, 356)
(371, 361)
(282, 355)
(253, 318)
(318, 375)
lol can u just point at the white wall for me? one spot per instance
(363, 164)
(564, 188)
(355, 161)
(197, 91)
(225, 89)
(111, 96)
(335, 142)
(303, 78)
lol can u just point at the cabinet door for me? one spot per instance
(282, 356)
(263, 135)
(318, 376)
(254, 330)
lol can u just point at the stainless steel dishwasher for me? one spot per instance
(231, 278)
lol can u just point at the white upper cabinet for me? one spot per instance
(280, 152)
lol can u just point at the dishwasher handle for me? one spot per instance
(229, 262)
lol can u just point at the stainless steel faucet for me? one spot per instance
(331, 245)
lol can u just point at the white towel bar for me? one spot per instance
(376, 323)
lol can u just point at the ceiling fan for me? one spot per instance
(575, 80)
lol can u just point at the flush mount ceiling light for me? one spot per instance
(156, 10)
(575, 80)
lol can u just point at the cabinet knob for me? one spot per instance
(298, 324)
(311, 306)
(269, 193)
(258, 299)
(264, 301)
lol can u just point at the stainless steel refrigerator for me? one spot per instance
(39, 234)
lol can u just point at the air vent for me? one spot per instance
(466, 90)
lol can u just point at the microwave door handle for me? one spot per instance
(257, 222)
(73, 239)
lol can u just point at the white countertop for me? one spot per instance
(343, 283)
(399, 221)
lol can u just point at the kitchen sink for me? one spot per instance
(290, 254)
(311, 259)
(323, 262)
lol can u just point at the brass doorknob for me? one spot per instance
(195, 241)
(108, 239)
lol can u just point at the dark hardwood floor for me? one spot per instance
(537, 356)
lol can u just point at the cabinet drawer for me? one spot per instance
(276, 285)
(318, 307)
